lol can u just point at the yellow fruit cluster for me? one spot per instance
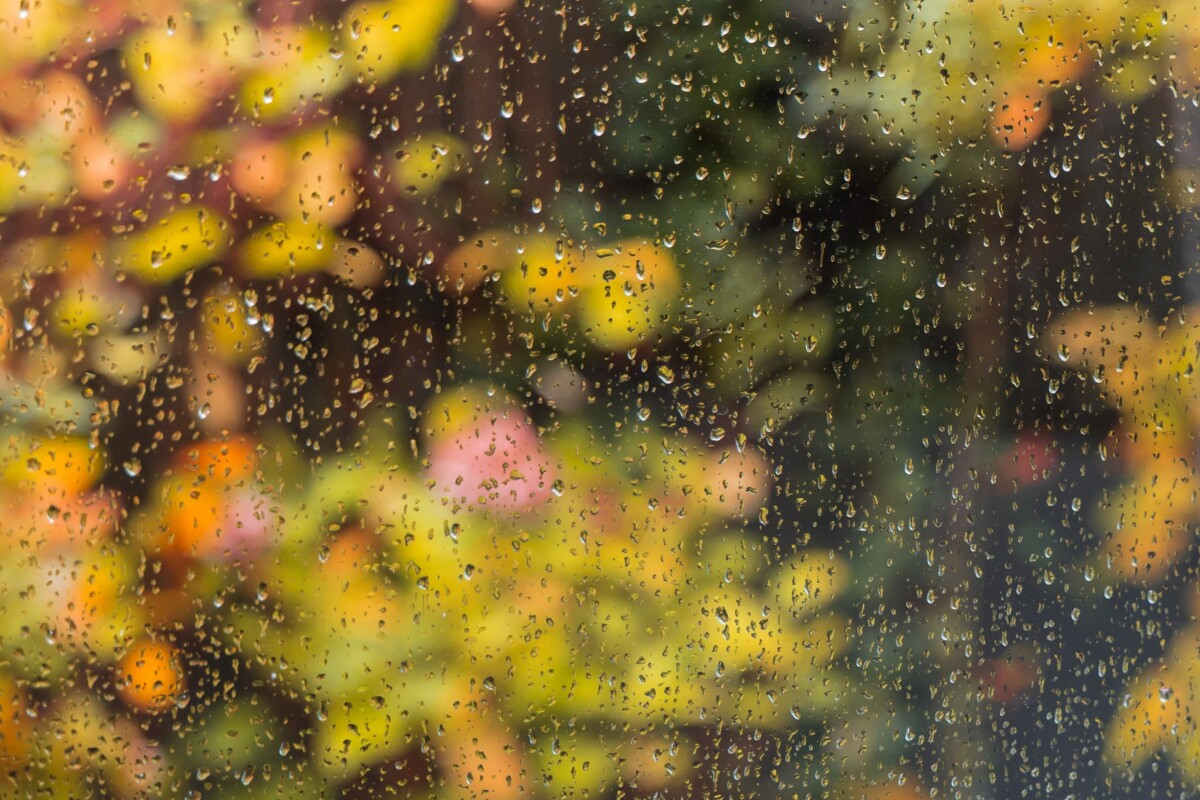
(1145, 371)
(618, 297)
(939, 77)
(495, 613)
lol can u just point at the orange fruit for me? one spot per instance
(648, 765)
(321, 187)
(93, 605)
(260, 170)
(46, 517)
(350, 554)
(65, 105)
(894, 791)
(14, 725)
(150, 677)
(357, 263)
(489, 9)
(19, 98)
(1053, 57)
(5, 331)
(488, 761)
(1019, 118)
(87, 603)
(471, 262)
(192, 515)
(80, 253)
(735, 484)
(99, 166)
(1146, 554)
(227, 462)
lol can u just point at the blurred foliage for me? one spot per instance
(626, 399)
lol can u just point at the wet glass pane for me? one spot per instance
(503, 399)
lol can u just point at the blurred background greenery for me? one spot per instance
(498, 399)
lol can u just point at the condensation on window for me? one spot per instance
(498, 399)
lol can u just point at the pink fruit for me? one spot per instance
(249, 525)
(498, 461)
(100, 167)
(738, 483)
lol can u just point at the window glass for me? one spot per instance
(500, 399)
